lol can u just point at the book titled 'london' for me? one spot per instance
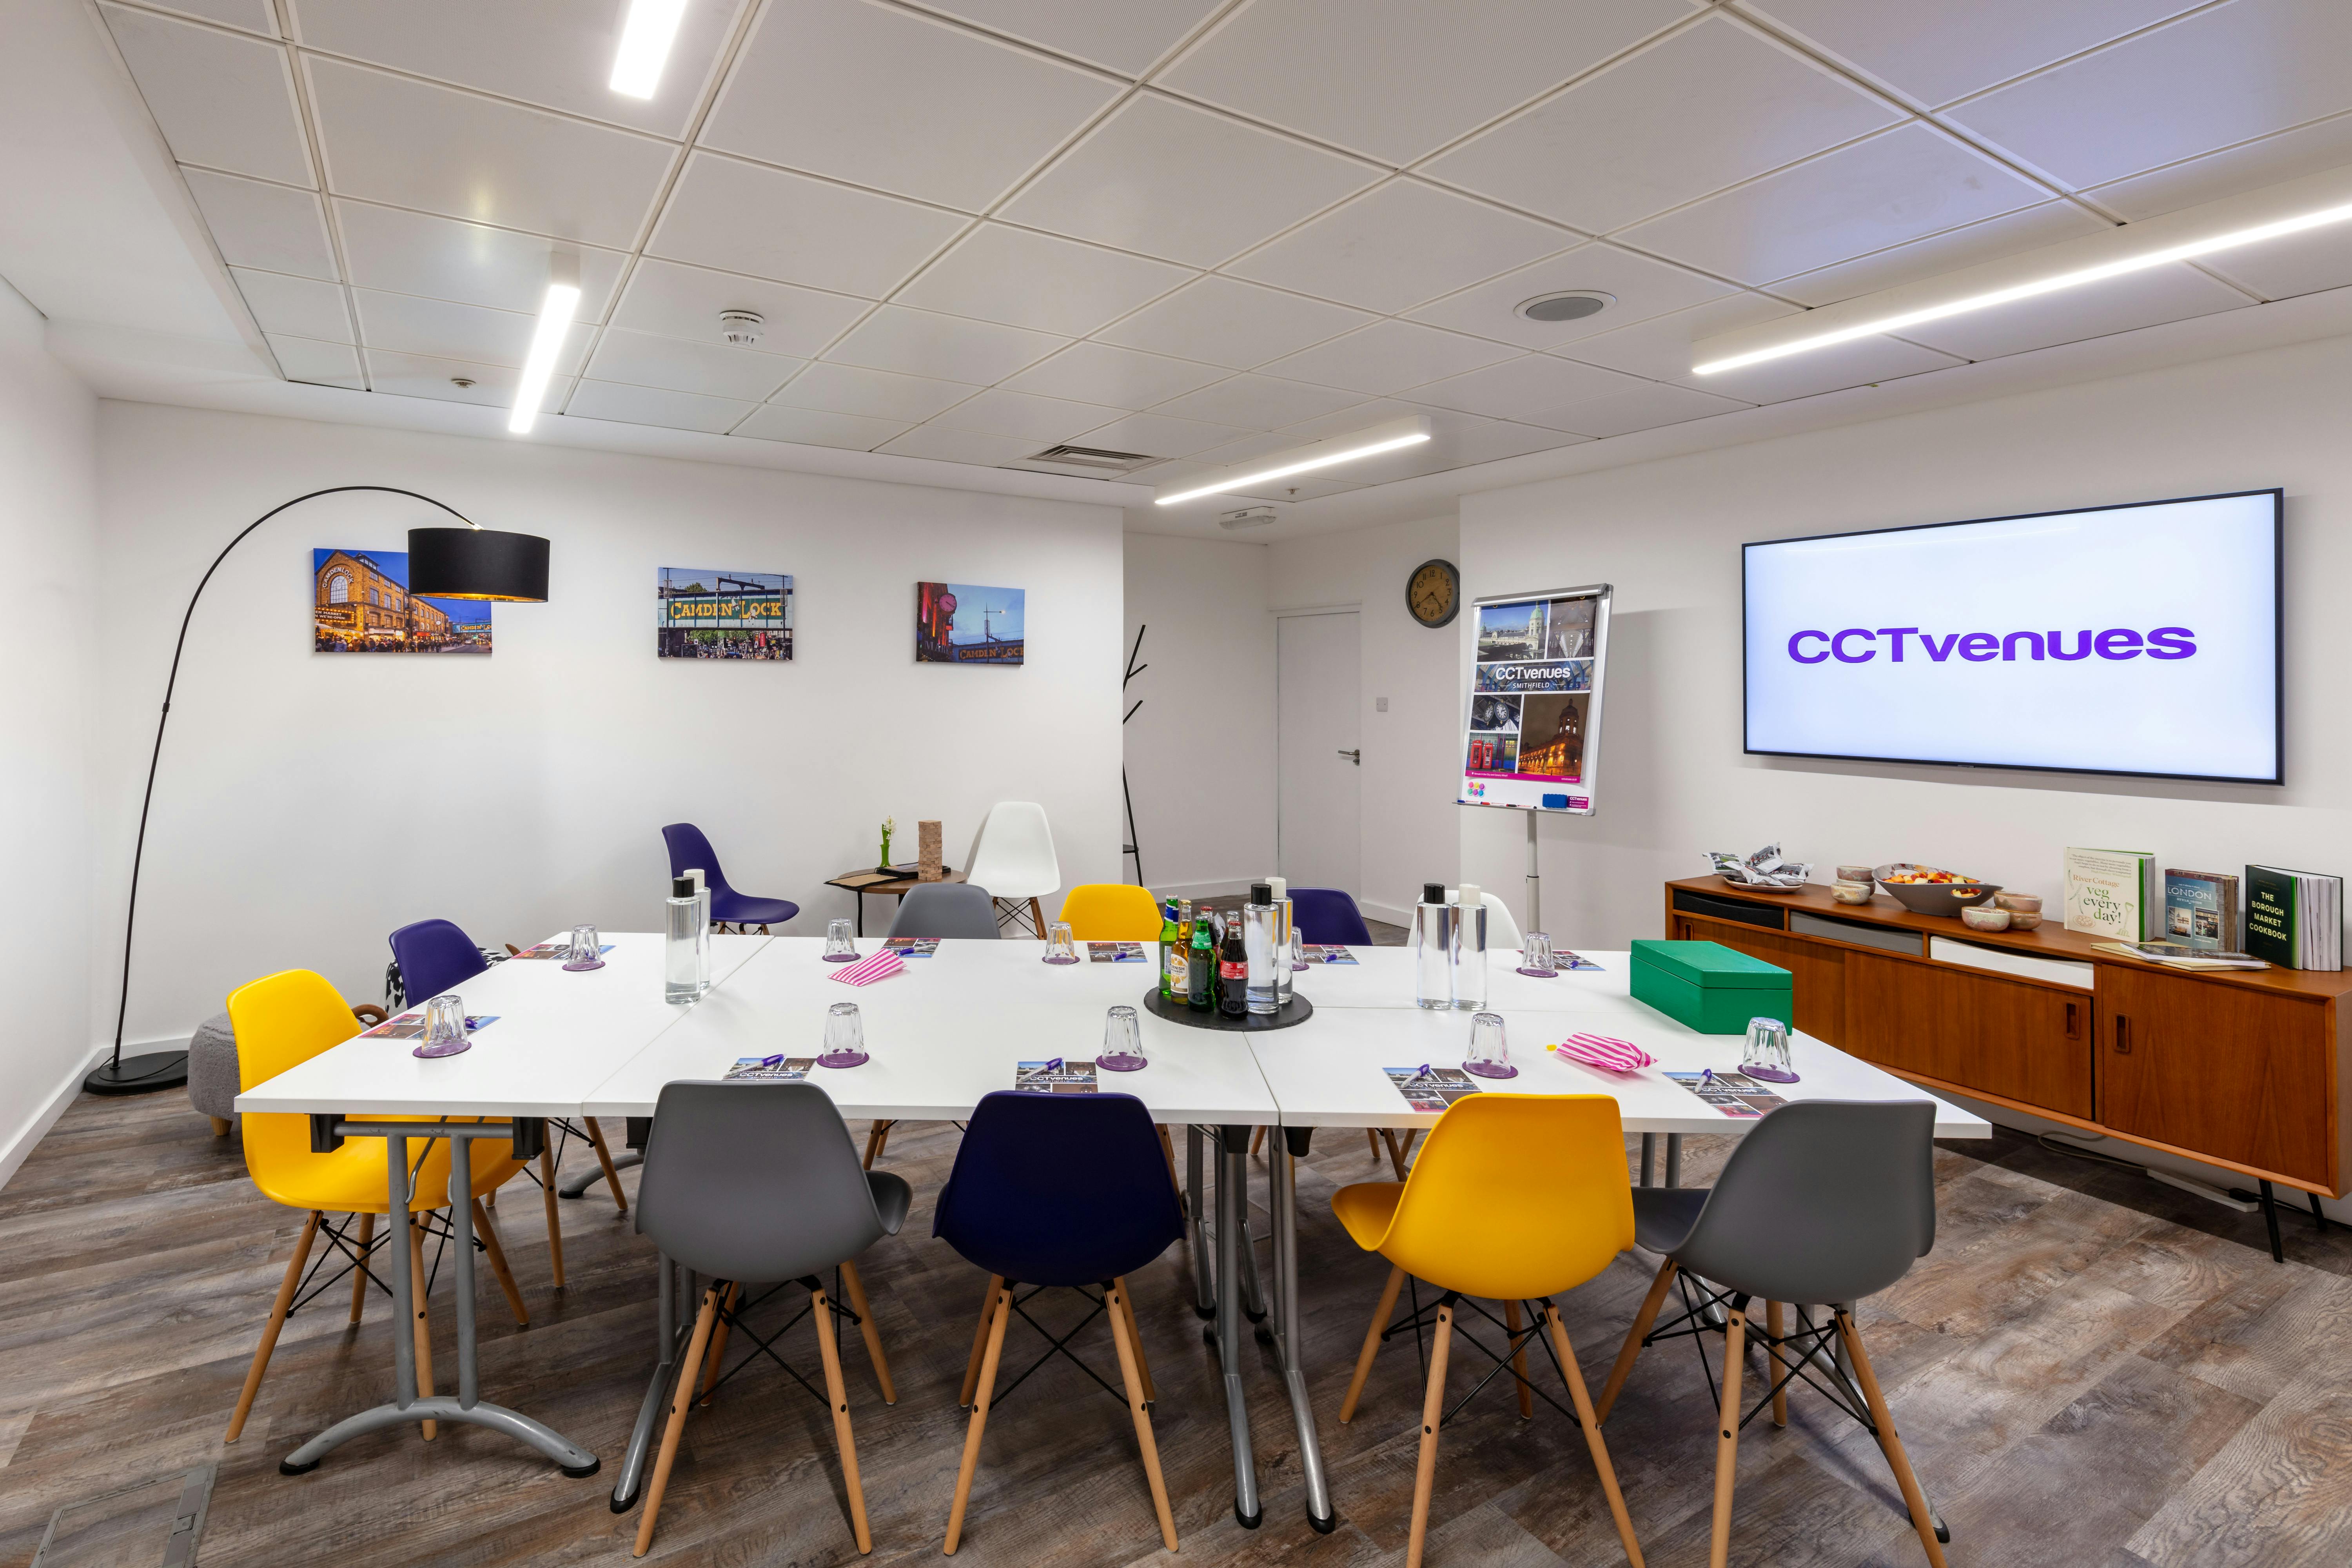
(2295, 919)
(2200, 910)
(2112, 892)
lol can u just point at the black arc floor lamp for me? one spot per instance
(468, 562)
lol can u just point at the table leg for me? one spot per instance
(1673, 1159)
(666, 1353)
(1204, 1294)
(1649, 1159)
(1232, 1175)
(1287, 1331)
(627, 1159)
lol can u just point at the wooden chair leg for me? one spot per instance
(1642, 1320)
(1520, 1363)
(1373, 1139)
(1037, 918)
(220, 1126)
(980, 1340)
(277, 1311)
(604, 1158)
(717, 1343)
(1396, 1152)
(869, 1330)
(838, 1396)
(359, 1269)
(1432, 1410)
(1888, 1442)
(1000, 1313)
(1135, 1337)
(1123, 1331)
(1774, 1326)
(1371, 1344)
(1257, 1141)
(554, 1224)
(498, 1255)
(423, 1326)
(1727, 1435)
(679, 1400)
(1168, 1152)
(878, 1138)
(1574, 1376)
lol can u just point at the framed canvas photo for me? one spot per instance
(360, 603)
(703, 613)
(959, 623)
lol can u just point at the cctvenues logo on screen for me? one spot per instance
(2124, 639)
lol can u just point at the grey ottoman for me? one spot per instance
(212, 1072)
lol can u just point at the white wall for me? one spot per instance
(48, 558)
(1410, 834)
(1200, 754)
(1674, 780)
(310, 803)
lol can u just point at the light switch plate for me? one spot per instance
(1380, 704)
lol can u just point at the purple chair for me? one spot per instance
(689, 851)
(1327, 916)
(433, 956)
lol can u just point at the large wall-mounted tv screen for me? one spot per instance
(2121, 639)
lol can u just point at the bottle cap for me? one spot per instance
(1281, 887)
(681, 886)
(1433, 893)
(1260, 894)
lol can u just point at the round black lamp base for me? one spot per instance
(140, 1075)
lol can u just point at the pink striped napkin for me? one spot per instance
(1601, 1051)
(866, 970)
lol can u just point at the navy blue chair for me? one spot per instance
(433, 956)
(1058, 1191)
(689, 851)
(1326, 916)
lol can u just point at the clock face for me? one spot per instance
(1433, 593)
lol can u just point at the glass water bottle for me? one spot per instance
(1261, 922)
(1284, 979)
(1432, 949)
(1469, 950)
(685, 950)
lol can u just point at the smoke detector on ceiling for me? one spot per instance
(461, 381)
(1248, 517)
(1567, 305)
(743, 327)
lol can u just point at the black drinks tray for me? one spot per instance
(1298, 1010)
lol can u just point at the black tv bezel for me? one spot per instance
(2278, 646)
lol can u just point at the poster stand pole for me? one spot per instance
(1535, 878)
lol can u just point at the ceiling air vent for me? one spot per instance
(1094, 457)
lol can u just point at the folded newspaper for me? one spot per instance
(1765, 868)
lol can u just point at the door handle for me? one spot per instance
(1355, 756)
(2073, 1021)
(2123, 1040)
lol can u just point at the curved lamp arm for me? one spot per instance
(131, 918)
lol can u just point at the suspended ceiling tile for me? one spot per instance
(889, 98)
(1124, 34)
(1457, 441)
(1644, 286)
(1517, 389)
(557, 53)
(1259, 402)
(813, 427)
(413, 145)
(1631, 404)
(222, 102)
(416, 375)
(1865, 197)
(2118, 305)
(320, 364)
(1389, 356)
(873, 394)
(2224, 75)
(252, 15)
(1934, 51)
(1039, 420)
(438, 329)
(1660, 349)
(417, 253)
(297, 307)
(653, 406)
(741, 217)
(263, 226)
(948, 348)
(1705, 108)
(1396, 80)
(1122, 378)
(2029, 229)
(2249, 166)
(1023, 278)
(1172, 180)
(2299, 264)
(1223, 320)
(681, 364)
(682, 301)
(1400, 244)
(1160, 436)
(975, 446)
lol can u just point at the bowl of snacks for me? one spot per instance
(1923, 890)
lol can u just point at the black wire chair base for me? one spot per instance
(733, 1318)
(1059, 1345)
(1516, 1342)
(1795, 1356)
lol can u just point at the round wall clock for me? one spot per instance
(1433, 593)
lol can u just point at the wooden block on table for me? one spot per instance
(927, 838)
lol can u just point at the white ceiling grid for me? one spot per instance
(1206, 229)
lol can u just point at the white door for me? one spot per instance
(1316, 663)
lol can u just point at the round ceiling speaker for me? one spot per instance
(1568, 305)
(742, 327)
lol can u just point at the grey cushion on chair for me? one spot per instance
(212, 1069)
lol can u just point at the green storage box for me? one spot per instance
(1710, 987)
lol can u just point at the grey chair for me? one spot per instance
(1825, 1202)
(962, 909)
(749, 1182)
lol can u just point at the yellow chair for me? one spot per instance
(1515, 1197)
(282, 1021)
(1112, 912)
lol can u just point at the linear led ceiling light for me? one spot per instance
(1305, 460)
(555, 316)
(646, 38)
(2272, 213)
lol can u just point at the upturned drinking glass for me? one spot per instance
(839, 946)
(1489, 1056)
(585, 951)
(444, 1028)
(1536, 959)
(1061, 943)
(1123, 1042)
(845, 1036)
(1766, 1053)
(1297, 949)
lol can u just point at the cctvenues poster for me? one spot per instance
(360, 603)
(707, 614)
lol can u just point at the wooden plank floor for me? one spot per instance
(2079, 1383)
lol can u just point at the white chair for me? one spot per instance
(1502, 931)
(1012, 857)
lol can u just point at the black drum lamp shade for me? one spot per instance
(476, 564)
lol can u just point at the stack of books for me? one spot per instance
(2179, 955)
(2295, 919)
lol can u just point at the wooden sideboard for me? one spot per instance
(2239, 1068)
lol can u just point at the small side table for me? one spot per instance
(872, 882)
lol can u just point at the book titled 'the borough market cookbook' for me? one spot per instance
(2295, 919)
